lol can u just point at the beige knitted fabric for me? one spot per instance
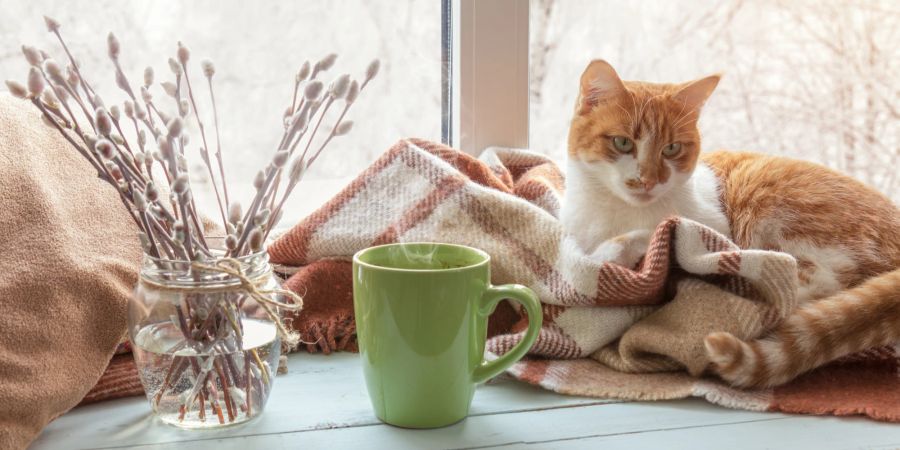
(69, 256)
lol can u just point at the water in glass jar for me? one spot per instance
(207, 385)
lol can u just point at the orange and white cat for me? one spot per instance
(634, 159)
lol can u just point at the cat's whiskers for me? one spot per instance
(630, 116)
(686, 115)
(681, 114)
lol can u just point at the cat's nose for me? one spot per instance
(634, 183)
(640, 183)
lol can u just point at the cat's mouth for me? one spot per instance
(641, 197)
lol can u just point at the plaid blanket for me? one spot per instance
(614, 325)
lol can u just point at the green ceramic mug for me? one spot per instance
(421, 322)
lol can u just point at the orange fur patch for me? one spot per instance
(807, 202)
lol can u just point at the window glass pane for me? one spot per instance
(815, 80)
(257, 48)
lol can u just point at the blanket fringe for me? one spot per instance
(332, 335)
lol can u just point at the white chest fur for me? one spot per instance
(591, 213)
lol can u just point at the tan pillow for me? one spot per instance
(69, 256)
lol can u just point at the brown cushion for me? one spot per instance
(69, 256)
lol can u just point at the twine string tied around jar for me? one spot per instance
(266, 298)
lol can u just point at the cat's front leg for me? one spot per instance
(625, 250)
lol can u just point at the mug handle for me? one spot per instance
(529, 300)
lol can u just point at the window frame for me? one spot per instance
(485, 74)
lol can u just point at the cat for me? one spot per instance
(634, 159)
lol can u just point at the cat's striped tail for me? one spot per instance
(866, 316)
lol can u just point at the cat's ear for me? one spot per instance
(695, 93)
(598, 82)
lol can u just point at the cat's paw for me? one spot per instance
(625, 250)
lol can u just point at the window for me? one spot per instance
(811, 80)
(257, 50)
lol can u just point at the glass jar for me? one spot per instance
(206, 349)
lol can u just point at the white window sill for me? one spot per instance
(322, 403)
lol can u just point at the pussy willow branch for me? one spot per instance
(212, 99)
(101, 171)
(84, 84)
(178, 234)
(212, 177)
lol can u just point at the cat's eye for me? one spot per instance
(672, 149)
(623, 144)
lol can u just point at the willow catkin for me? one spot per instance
(90, 139)
(113, 47)
(72, 76)
(61, 93)
(175, 126)
(262, 217)
(178, 232)
(151, 192)
(304, 71)
(183, 54)
(326, 62)
(122, 82)
(35, 82)
(148, 76)
(181, 184)
(209, 69)
(234, 212)
(16, 89)
(169, 88)
(52, 24)
(255, 240)
(139, 112)
(140, 203)
(313, 90)
(183, 107)
(174, 67)
(352, 92)
(259, 180)
(343, 128)
(231, 242)
(105, 149)
(182, 163)
(339, 86)
(50, 100)
(54, 72)
(280, 158)
(373, 68)
(32, 55)
(97, 101)
(165, 149)
(103, 121)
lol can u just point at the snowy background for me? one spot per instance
(811, 79)
(818, 80)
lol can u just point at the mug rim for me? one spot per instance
(486, 258)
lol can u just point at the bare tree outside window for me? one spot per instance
(809, 79)
(257, 48)
(815, 80)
